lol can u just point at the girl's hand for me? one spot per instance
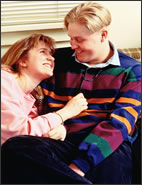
(74, 107)
(57, 133)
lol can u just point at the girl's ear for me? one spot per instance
(22, 63)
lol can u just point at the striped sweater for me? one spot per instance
(114, 99)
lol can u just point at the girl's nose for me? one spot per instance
(50, 58)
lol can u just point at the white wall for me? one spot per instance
(125, 29)
(126, 23)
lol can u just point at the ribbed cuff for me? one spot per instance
(82, 164)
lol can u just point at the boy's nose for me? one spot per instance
(74, 44)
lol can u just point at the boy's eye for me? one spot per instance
(79, 40)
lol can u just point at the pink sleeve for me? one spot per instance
(38, 125)
(18, 118)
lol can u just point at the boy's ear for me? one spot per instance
(22, 63)
(104, 34)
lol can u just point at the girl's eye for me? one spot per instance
(42, 51)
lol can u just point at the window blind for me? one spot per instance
(34, 15)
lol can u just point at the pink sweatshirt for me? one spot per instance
(19, 116)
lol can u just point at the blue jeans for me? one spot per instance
(37, 160)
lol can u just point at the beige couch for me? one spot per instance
(132, 52)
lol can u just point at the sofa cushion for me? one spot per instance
(132, 52)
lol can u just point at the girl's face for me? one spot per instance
(39, 62)
(86, 44)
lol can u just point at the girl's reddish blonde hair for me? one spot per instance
(20, 48)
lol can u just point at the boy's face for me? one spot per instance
(86, 44)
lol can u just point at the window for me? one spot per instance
(20, 19)
(34, 15)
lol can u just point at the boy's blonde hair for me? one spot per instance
(90, 14)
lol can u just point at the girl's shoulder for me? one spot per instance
(8, 80)
(6, 74)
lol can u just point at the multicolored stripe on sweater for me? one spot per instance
(114, 103)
